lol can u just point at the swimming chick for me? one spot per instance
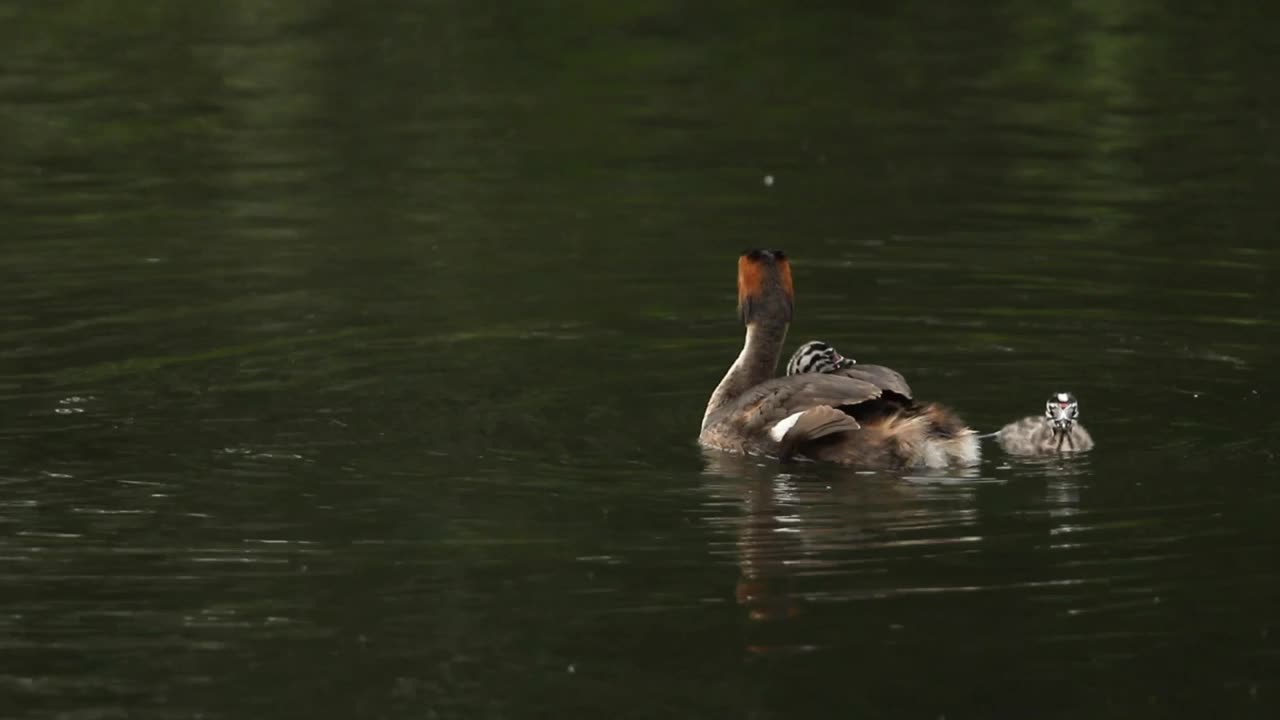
(1056, 431)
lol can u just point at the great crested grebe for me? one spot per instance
(867, 420)
(1056, 431)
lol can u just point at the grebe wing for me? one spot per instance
(764, 406)
(878, 375)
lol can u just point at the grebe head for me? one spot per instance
(765, 292)
(817, 357)
(1062, 410)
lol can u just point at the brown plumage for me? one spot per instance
(880, 376)
(813, 425)
(866, 417)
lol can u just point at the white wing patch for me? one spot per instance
(779, 431)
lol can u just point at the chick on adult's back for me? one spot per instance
(948, 435)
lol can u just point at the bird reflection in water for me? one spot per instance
(1063, 476)
(803, 534)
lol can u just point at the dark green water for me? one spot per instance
(353, 357)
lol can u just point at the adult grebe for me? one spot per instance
(1056, 431)
(821, 416)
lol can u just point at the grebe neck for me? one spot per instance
(756, 363)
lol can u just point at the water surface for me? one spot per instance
(353, 357)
